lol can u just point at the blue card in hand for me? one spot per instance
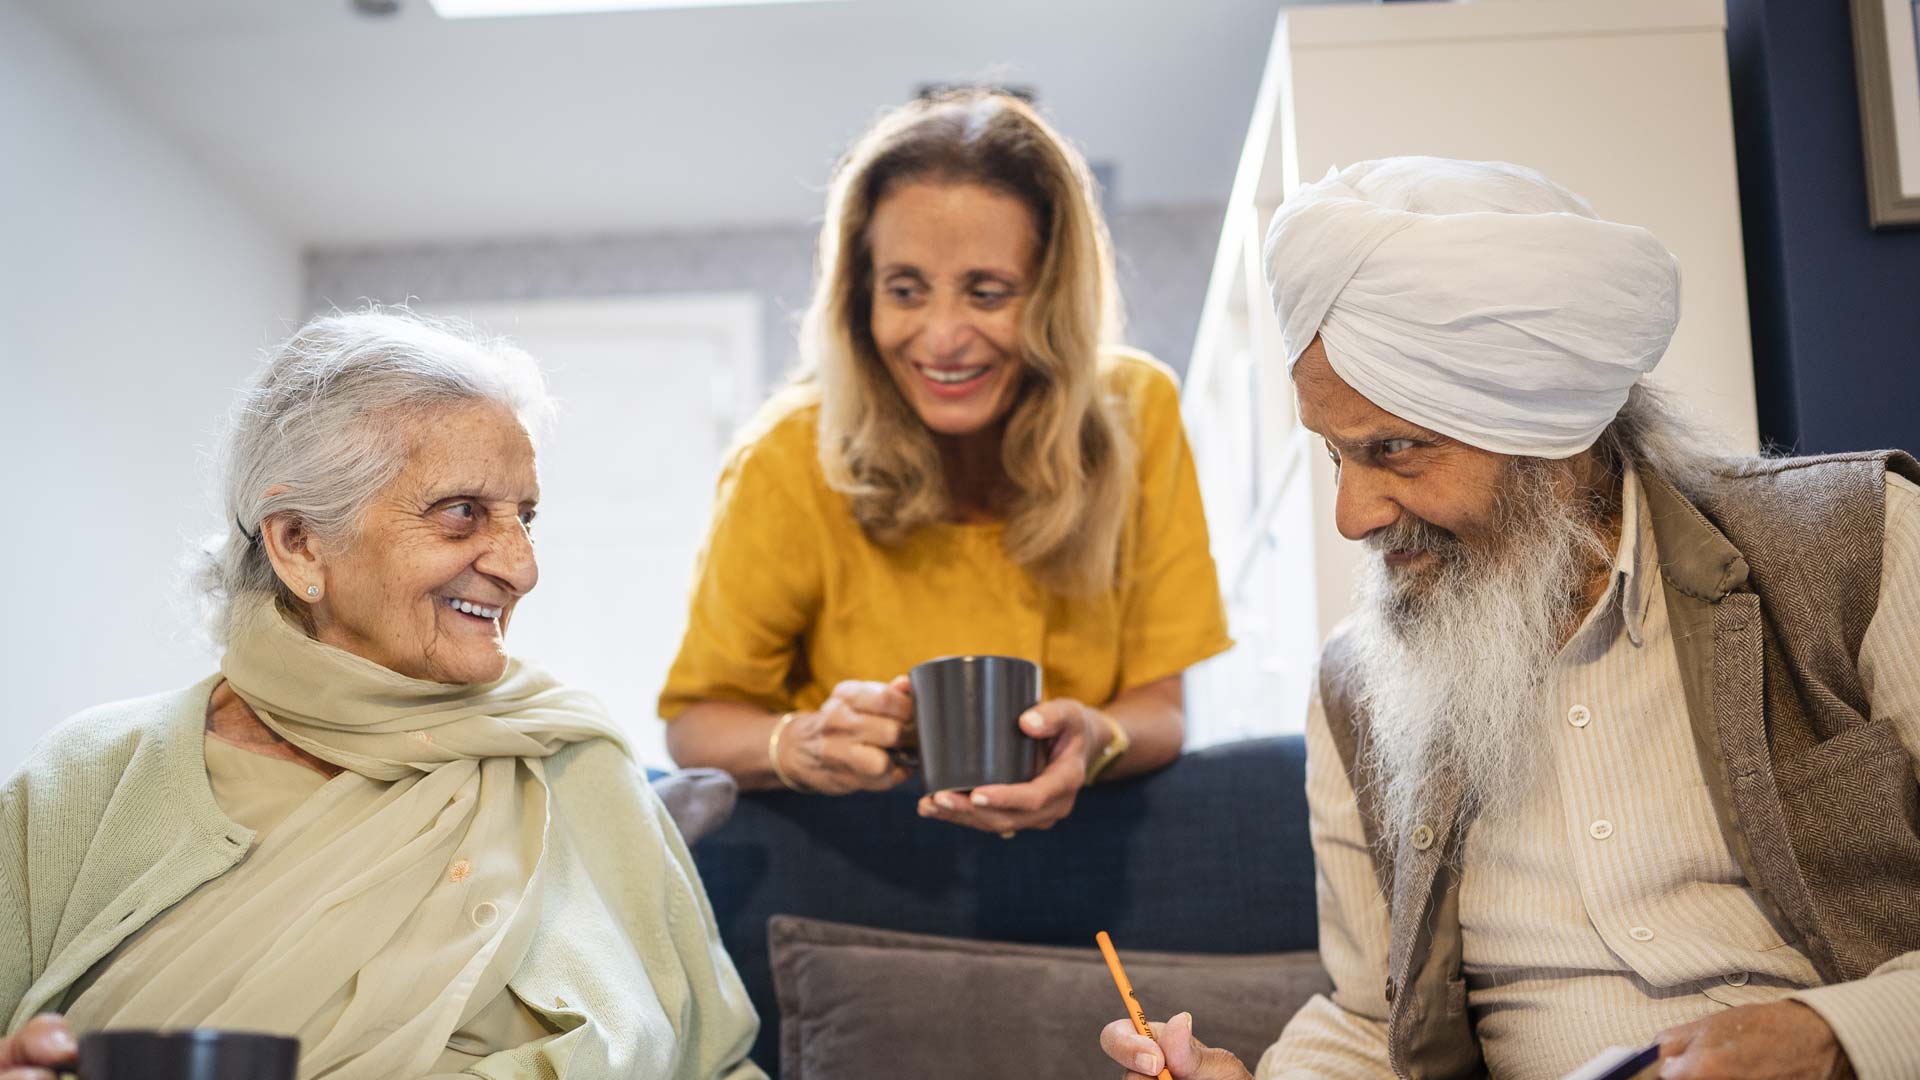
(1616, 1063)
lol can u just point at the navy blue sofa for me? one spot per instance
(1209, 855)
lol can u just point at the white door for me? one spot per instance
(650, 393)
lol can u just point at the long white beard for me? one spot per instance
(1454, 666)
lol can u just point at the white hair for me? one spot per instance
(315, 435)
(1657, 432)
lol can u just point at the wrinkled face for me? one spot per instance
(443, 555)
(952, 264)
(1419, 499)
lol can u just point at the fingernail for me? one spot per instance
(1030, 718)
(62, 1040)
(1146, 1064)
(944, 801)
(979, 799)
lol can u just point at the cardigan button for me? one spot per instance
(1422, 838)
(1389, 991)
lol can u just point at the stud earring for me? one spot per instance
(313, 592)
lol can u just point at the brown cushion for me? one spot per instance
(857, 1003)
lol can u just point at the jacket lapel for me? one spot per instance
(1414, 984)
(1719, 638)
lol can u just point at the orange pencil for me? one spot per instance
(1134, 1010)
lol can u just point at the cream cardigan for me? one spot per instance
(112, 820)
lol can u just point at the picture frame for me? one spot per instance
(1886, 49)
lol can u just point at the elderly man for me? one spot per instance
(1620, 746)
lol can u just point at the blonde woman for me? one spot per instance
(965, 464)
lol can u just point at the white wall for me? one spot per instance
(134, 295)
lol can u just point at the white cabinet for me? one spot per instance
(1623, 101)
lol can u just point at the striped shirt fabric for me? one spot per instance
(1606, 906)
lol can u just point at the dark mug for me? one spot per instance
(194, 1054)
(966, 712)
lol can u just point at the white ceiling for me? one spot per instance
(343, 129)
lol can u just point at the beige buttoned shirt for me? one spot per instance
(1607, 906)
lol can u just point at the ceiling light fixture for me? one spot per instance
(485, 9)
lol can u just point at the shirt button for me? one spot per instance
(1738, 978)
(1422, 838)
(1579, 716)
(1640, 933)
(485, 914)
(1601, 829)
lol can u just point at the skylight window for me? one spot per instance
(484, 9)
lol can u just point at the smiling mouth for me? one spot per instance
(473, 610)
(951, 376)
(954, 381)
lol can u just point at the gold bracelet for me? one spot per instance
(1117, 744)
(773, 754)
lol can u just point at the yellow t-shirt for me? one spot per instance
(791, 597)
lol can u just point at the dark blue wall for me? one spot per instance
(1836, 305)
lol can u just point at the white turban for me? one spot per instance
(1478, 299)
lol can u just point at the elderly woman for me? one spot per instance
(372, 828)
(966, 464)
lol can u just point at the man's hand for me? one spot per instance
(1781, 1041)
(1177, 1050)
(35, 1051)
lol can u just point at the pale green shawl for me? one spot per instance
(400, 898)
(112, 822)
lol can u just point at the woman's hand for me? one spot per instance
(38, 1049)
(846, 745)
(1177, 1051)
(1077, 732)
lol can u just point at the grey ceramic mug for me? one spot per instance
(193, 1054)
(966, 711)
